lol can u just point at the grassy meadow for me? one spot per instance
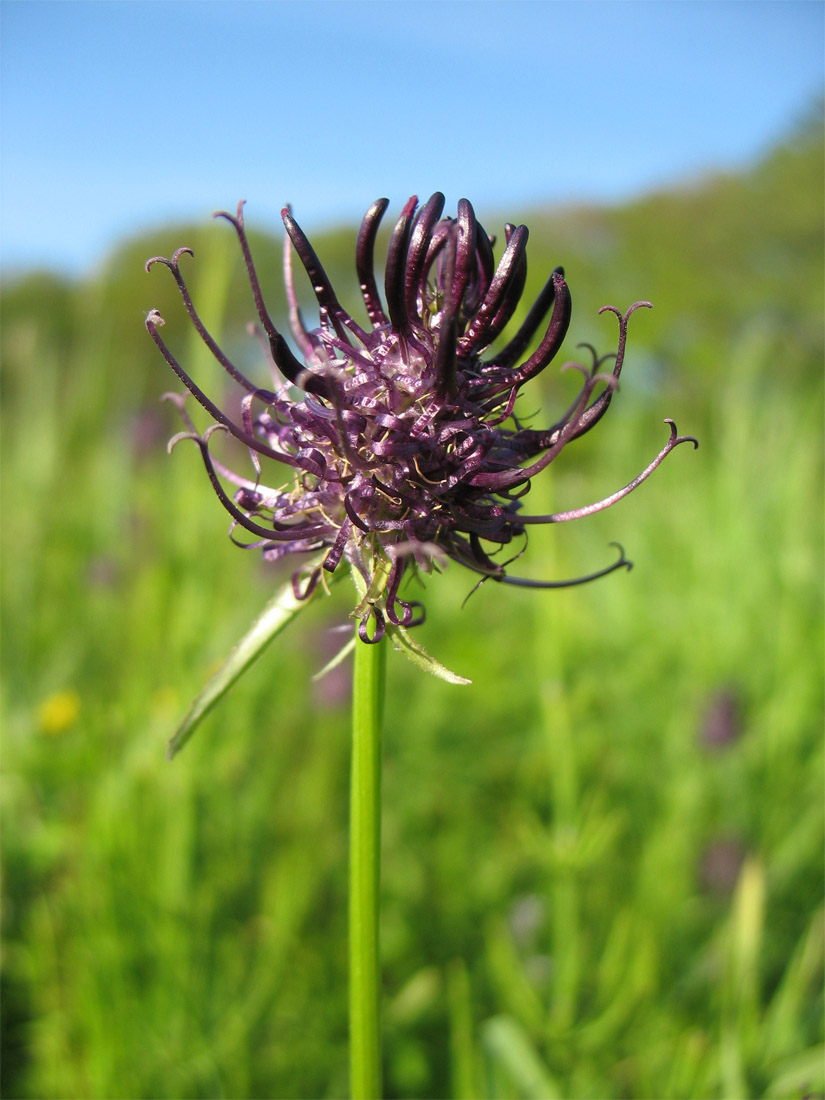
(602, 862)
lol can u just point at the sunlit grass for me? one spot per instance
(583, 897)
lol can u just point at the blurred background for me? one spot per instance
(603, 860)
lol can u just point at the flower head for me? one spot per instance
(395, 444)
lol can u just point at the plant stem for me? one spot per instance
(365, 871)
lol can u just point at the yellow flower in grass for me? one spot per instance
(58, 712)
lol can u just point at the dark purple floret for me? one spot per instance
(396, 445)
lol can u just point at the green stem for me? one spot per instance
(365, 871)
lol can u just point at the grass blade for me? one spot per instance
(278, 614)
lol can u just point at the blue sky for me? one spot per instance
(121, 115)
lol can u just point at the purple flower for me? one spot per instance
(394, 445)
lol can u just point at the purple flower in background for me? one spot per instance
(395, 445)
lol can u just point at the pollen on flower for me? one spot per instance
(394, 444)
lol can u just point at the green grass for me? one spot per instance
(581, 898)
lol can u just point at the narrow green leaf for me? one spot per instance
(509, 1047)
(462, 1046)
(340, 656)
(278, 614)
(802, 1075)
(401, 641)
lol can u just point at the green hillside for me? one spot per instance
(602, 861)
